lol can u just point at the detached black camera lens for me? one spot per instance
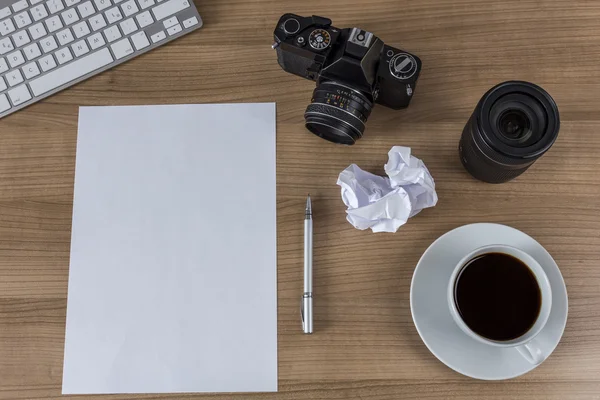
(338, 113)
(513, 125)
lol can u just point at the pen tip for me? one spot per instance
(308, 205)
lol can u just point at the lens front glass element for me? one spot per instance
(518, 120)
(514, 125)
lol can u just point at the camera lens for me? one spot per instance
(338, 113)
(513, 125)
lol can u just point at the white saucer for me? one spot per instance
(430, 312)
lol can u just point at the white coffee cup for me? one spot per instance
(526, 344)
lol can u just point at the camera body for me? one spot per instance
(312, 48)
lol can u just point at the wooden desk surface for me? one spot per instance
(365, 345)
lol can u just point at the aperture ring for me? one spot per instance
(330, 95)
(356, 108)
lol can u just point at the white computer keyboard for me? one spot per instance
(47, 46)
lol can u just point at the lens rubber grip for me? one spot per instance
(481, 167)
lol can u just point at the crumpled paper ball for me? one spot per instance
(385, 204)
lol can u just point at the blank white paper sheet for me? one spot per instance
(172, 281)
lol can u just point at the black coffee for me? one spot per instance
(497, 296)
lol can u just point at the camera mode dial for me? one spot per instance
(319, 39)
(403, 66)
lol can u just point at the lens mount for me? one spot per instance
(338, 113)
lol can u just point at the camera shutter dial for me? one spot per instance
(403, 66)
(291, 26)
(319, 39)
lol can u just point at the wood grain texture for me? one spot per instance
(365, 345)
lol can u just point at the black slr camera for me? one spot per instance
(353, 69)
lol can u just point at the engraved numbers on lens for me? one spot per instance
(319, 39)
(403, 66)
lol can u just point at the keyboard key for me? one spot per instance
(5, 12)
(112, 33)
(21, 38)
(129, 8)
(63, 55)
(86, 9)
(39, 12)
(169, 8)
(14, 77)
(7, 27)
(15, 59)
(4, 104)
(146, 3)
(65, 37)
(6, 46)
(117, 1)
(169, 22)
(19, 95)
(70, 3)
(53, 23)
(128, 26)
(55, 6)
(174, 30)
(190, 22)
(20, 5)
(48, 44)
(47, 62)
(3, 65)
(140, 40)
(32, 51)
(81, 29)
(144, 19)
(30, 70)
(70, 16)
(37, 31)
(2, 86)
(96, 40)
(22, 19)
(71, 71)
(80, 48)
(102, 4)
(34, 2)
(122, 48)
(158, 36)
(97, 22)
(113, 15)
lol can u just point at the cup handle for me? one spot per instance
(532, 352)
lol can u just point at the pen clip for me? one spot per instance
(302, 311)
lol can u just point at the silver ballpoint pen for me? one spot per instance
(306, 308)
